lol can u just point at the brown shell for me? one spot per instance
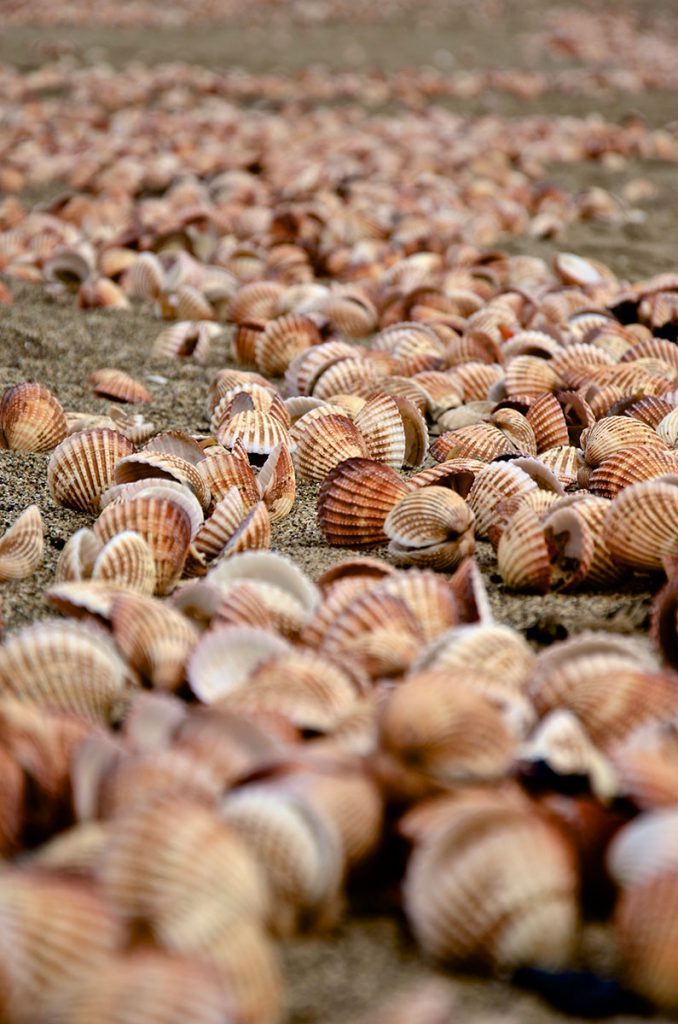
(646, 926)
(630, 466)
(81, 468)
(354, 500)
(480, 441)
(327, 441)
(613, 433)
(155, 639)
(277, 483)
(642, 523)
(126, 561)
(222, 470)
(380, 423)
(523, 554)
(152, 465)
(547, 420)
(430, 526)
(258, 432)
(282, 340)
(232, 527)
(185, 339)
(22, 546)
(118, 385)
(492, 485)
(31, 418)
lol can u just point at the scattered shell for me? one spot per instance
(432, 526)
(81, 468)
(354, 500)
(31, 418)
(118, 385)
(126, 561)
(22, 546)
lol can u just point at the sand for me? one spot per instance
(338, 976)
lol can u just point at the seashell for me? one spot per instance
(440, 732)
(315, 694)
(247, 961)
(282, 340)
(306, 367)
(547, 420)
(245, 398)
(523, 554)
(160, 987)
(650, 410)
(442, 391)
(83, 598)
(68, 266)
(667, 429)
(664, 621)
(352, 313)
(480, 441)
(645, 848)
(133, 426)
(380, 423)
(613, 433)
(245, 341)
(152, 465)
(116, 260)
(351, 568)
(258, 432)
(432, 526)
(299, 851)
(345, 376)
(354, 500)
(185, 339)
(489, 650)
(327, 441)
(64, 666)
(560, 742)
(277, 483)
(646, 763)
(530, 343)
(117, 385)
(56, 933)
(154, 637)
(529, 375)
(378, 630)
(478, 379)
(492, 484)
(100, 293)
(223, 470)
(177, 443)
(630, 466)
(564, 462)
(573, 269)
(22, 546)
(291, 596)
(223, 660)
(81, 468)
(642, 523)
(457, 474)
(528, 917)
(259, 300)
(645, 926)
(173, 864)
(126, 561)
(158, 488)
(31, 418)
(145, 279)
(162, 523)
(516, 428)
(232, 527)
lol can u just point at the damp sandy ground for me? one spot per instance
(337, 977)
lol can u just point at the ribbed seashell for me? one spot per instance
(134, 426)
(154, 637)
(347, 376)
(642, 523)
(646, 763)
(116, 260)
(257, 301)
(480, 441)
(69, 266)
(307, 689)
(529, 375)
(289, 593)
(185, 339)
(118, 385)
(152, 487)
(277, 483)
(523, 554)
(282, 340)
(126, 561)
(258, 432)
(477, 379)
(246, 959)
(431, 526)
(177, 443)
(486, 649)
(466, 415)
(78, 556)
(81, 468)
(352, 313)
(31, 418)
(613, 433)
(573, 269)
(667, 429)
(22, 546)
(561, 742)
(646, 927)
(233, 527)
(327, 441)
(245, 340)
(145, 279)
(173, 864)
(83, 598)
(516, 428)
(57, 932)
(163, 524)
(299, 851)
(64, 666)
(304, 370)
(631, 466)
(150, 985)
(100, 293)
(656, 348)
(442, 391)
(354, 500)
(529, 914)
(380, 423)
(547, 420)
(223, 470)
(377, 630)
(223, 660)
(248, 397)
(440, 732)
(646, 847)
(457, 474)
(530, 343)
(494, 483)
(152, 465)
(564, 461)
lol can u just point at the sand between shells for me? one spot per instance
(205, 751)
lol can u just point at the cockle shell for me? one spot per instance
(126, 561)
(354, 500)
(529, 375)
(346, 376)
(56, 932)
(259, 300)
(667, 428)
(224, 659)
(222, 470)
(65, 666)
(613, 433)
(494, 483)
(81, 468)
(547, 420)
(351, 312)
(642, 523)
(118, 385)
(480, 441)
(327, 441)
(158, 488)
(299, 851)
(631, 466)
(488, 649)
(646, 927)
(277, 483)
(522, 554)
(258, 432)
(526, 872)
(646, 847)
(79, 554)
(154, 465)
(185, 339)
(290, 594)
(305, 369)
(177, 442)
(281, 340)
(175, 865)
(154, 637)
(247, 397)
(232, 527)
(31, 418)
(22, 546)
(646, 763)
(561, 742)
(247, 961)
(381, 426)
(163, 524)
(431, 526)
(145, 279)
